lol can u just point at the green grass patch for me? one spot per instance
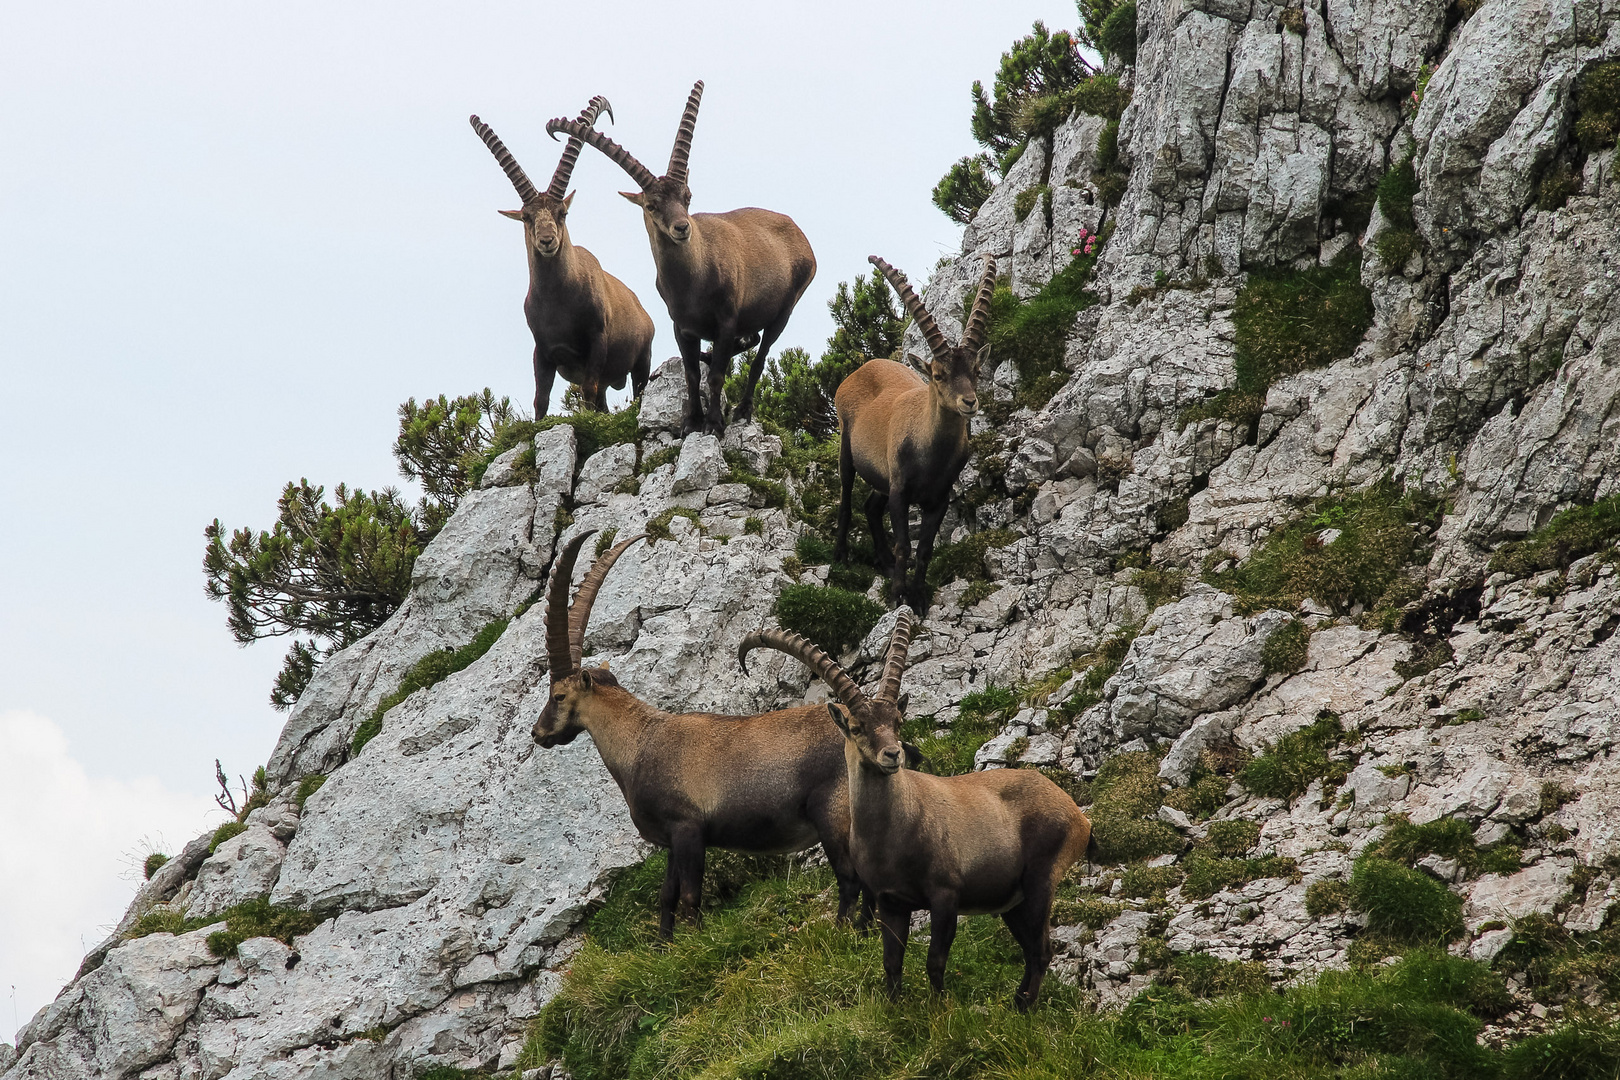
(225, 832)
(432, 669)
(308, 786)
(1034, 333)
(1597, 106)
(250, 919)
(1403, 905)
(153, 863)
(1324, 898)
(669, 455)
(1298, 759)
(1396, 190)
(1449, 838)
(966, 559)
(1124, 808)
(1570, 535)
(1285, 650)
(740, 472)
(770, 988)
(1208, 874)
(1287, 321)
(1233, 837)
(835, 619)
(593, 431)
(979, 716)
(1380, 533)
(658, 527)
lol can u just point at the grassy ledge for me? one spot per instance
(432, 669)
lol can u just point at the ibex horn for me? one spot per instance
(914, 307)
(580, 613)
(683, 137)
(570, 155)
(894, 665)
(558, 653)
(503, 157)
(615, 153)
(801, 649)
(979, 321)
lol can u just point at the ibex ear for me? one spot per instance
(585, 678)
(569, 201)
(635, 197)
(840, 716)
(982, 355)
(605, 666)
(515, 215)
(914, 756)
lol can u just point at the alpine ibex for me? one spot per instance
(586, 323)
(993, 842)
(765, 784)
(731, 279)
(907, 436)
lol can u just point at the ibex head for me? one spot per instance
(573, 687)
(544, 213)
(872, 724)
(663, 199)
(953, 371)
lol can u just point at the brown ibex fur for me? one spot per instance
(907, 436)
(765, 784)
(586, 323)
(732, 279)
(994, 842)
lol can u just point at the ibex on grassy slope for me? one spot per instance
(586, 323)
(907, 436)
(993, 842)
(732, 279)
(765, 784)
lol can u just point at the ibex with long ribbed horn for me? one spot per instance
(731, 279)
(907, 436)
(765, 784)
(993, 842)
(586, 323)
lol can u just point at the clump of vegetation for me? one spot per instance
(979, 716)
(1557, 184)
(1285, 650)
(1404, 906)
(1381, 530)
(308, 786)
(966, 559)
(227, 831)
(1233, 837)
(432, 669)
(1597, 106)
(1232, 404)
(1099, 665)
(650, 463)
(1570, 535)
(738, 471)
(769, 987)
(1034, 333)
(250, 919)
(1396, 190)
(1323, 898)
(153, 863)
(1291, 320)
(1298, 759)
(835, 619)
(443, 443)
(1117, 34)
(1159, 585)
(593, 431)
(1449, 838)
(1124, 811)
(1208, 874)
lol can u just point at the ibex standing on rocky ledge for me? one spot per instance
(907, 436)
(994, 842)
(586, 323)
(732, 279)
(765, 784)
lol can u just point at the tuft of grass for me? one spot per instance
(593, 431)
(1205, 976)
(1395, 192)
(967, 558)
(1285, 650)
(1297, 759)
(1381, 532)
(1557, 184)
(669, 455)
(225, 832)
(1291, 320)
(1570, 535)
(1404, 905)
(1597, 106)
(1323, 898)
(1585, 1049)
(1159, 585)
(1233, 837)
(154, 862)
(432, 669)
(1125, 804)
(979, 716)
(1146, 881)
(835, 619)
(1034, 333)
(250, 919)
(1241, 407)
(1449, 838)
(740, 472)
(1099, 666)
(1208, 874)
(658, 528)
(753, 526)
(308, 786)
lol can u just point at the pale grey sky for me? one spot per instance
(233, 238)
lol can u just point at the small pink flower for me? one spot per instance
(1288, 1023)
(1265, 1019)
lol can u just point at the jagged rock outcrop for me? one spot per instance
(449, 862)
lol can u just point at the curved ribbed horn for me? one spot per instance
(683, 137)
(579, 614)
(503, 157)
(802, 650)
(978, 323)
(616, 153)
(570, 155)
(558, 653)
(914, 307)
(894, 665)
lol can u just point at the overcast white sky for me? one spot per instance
(233, 238)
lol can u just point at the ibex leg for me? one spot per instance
(846, 482)
(545, 372)
(767, 338)
(692, 359)
(929, 530)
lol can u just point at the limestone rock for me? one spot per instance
(700, 464)
(242, 868)
(663, 402)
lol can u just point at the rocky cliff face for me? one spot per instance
(447, 864)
